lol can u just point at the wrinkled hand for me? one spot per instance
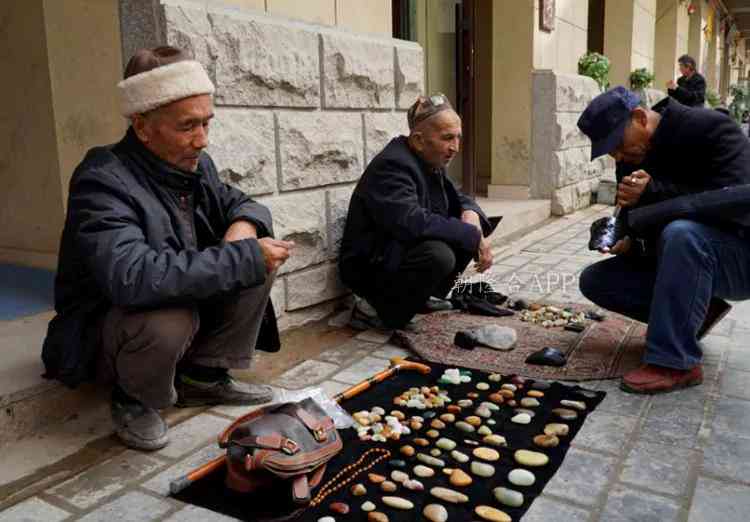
(671, 84)
(621, 247)
(240, 230)
(275, 252)
(631, 187)
(484, 256)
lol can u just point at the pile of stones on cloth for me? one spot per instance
(424, 453)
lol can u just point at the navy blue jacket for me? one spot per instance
(390, 211)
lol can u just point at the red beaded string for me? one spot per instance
(331, 486)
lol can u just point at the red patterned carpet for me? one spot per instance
(605, 350)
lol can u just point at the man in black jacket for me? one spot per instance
(409, 233)
(690, 88)
(674, 153)
(164, 271)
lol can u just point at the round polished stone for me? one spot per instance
(459, 457)
(435, 513)
(495, 440)
(529, 402)
(358, 490)
(399, 476)
(546, 441)
(508, 497)
(492, 514)
(483, 386)
(437, 424)
(535, 394)
(557, 429)
(445, 444)
(459, 478)
(388, 486)
(487, 454)
(473, 420)
(448, 495)
(465, 427)
(521, 477)
(530, 458)
(423, 471)
(448, 417)
(576, 405)
(480, 469)
(421, 442)
(339, 508)
(407, 451)
(368, 506)
(521, 418)
(565, 413)
(377, 516)
(435, 452)
(484, 430)
(433, 434)
(398, 503)
(397, 463)
(541, 385)
(375, 478)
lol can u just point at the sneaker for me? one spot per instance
(191, 393)
(650, 379)
(138, 426)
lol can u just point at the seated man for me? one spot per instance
(409, 233)
(164, 272)
(671, 150)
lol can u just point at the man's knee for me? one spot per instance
(441, 258)
(587, 281)
(164, 333)
(682, 234)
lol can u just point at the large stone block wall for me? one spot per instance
(300, 110)
(561, 169)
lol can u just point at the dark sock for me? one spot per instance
(200, 373)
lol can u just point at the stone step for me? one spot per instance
(519, 216)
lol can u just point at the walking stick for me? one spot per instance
(397, 364)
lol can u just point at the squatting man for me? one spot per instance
(409, 232)
(164, 272)
(676, 276)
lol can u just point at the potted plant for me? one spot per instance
(740, 101)
(641, 79)
(712, 98)
(596, 66)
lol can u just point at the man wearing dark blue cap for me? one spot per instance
(675, 275)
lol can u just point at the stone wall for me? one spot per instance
(300, 110)
(561, 169)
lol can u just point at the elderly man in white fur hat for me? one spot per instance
(164, 271)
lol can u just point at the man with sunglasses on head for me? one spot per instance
(682, 187)
(409, 232)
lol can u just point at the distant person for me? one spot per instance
(409, 232)
(690, 88)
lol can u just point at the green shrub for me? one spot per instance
(740, 101)
(712, 98)
(641, 79)
(596, 66)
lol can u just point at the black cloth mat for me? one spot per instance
(210, 492)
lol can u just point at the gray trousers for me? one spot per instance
(140, 349)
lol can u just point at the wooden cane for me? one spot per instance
(398, 364)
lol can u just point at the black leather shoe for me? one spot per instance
(138, 426)
(192, 393)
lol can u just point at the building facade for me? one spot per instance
(308, 91)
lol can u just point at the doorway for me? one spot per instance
(447, 32)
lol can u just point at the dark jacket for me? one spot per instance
(692, 151)
(390, 211)
(690, 91)
(141, 233)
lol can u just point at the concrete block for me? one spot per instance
(658, 467)
(714, 500)
(300, 218)
(191, 434)
(358, 72)
(380, 129)
(624, 504)
(606, 194)
(131, 507)
(34, 510)
(725, 454)
(565, 132)
(582, 477)
(545, 509)
(244, 149)
(254, 59)
(298, 318)
(409, 73)
(307, 373)
(573, 197)
(313, 286)
(319, 148)
(573, 92)
(337, 203)
(606, 432)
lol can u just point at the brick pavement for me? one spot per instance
(677, 457)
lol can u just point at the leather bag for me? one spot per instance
(282, 443)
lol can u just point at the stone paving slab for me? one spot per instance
(34, 510)
(628, 505)
(131, 507)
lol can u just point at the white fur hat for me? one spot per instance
(163, 85)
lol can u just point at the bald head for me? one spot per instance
(437, 139)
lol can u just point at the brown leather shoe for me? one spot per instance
(717, 309)
(650, 379)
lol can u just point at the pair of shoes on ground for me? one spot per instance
(365, 317)
(141, 427)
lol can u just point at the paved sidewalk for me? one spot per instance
(679, 457)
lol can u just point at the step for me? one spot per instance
(519, 216)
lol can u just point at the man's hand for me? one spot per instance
(631, 187)
(671, 84)
(472, 218)
(275, 252)
(621, 247)
(484, 256)
(240, 230)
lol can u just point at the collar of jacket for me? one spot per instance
(671, 112)
(163, 172)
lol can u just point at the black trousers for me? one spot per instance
(428, 269)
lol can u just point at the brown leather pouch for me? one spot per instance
(290, 442)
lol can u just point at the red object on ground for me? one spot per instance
(650, 379)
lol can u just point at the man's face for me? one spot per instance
(178, 132)
(438, 139)
(684, 69)
(635, 141)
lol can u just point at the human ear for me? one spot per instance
(141, 127)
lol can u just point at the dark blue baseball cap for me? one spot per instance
(605, 119)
